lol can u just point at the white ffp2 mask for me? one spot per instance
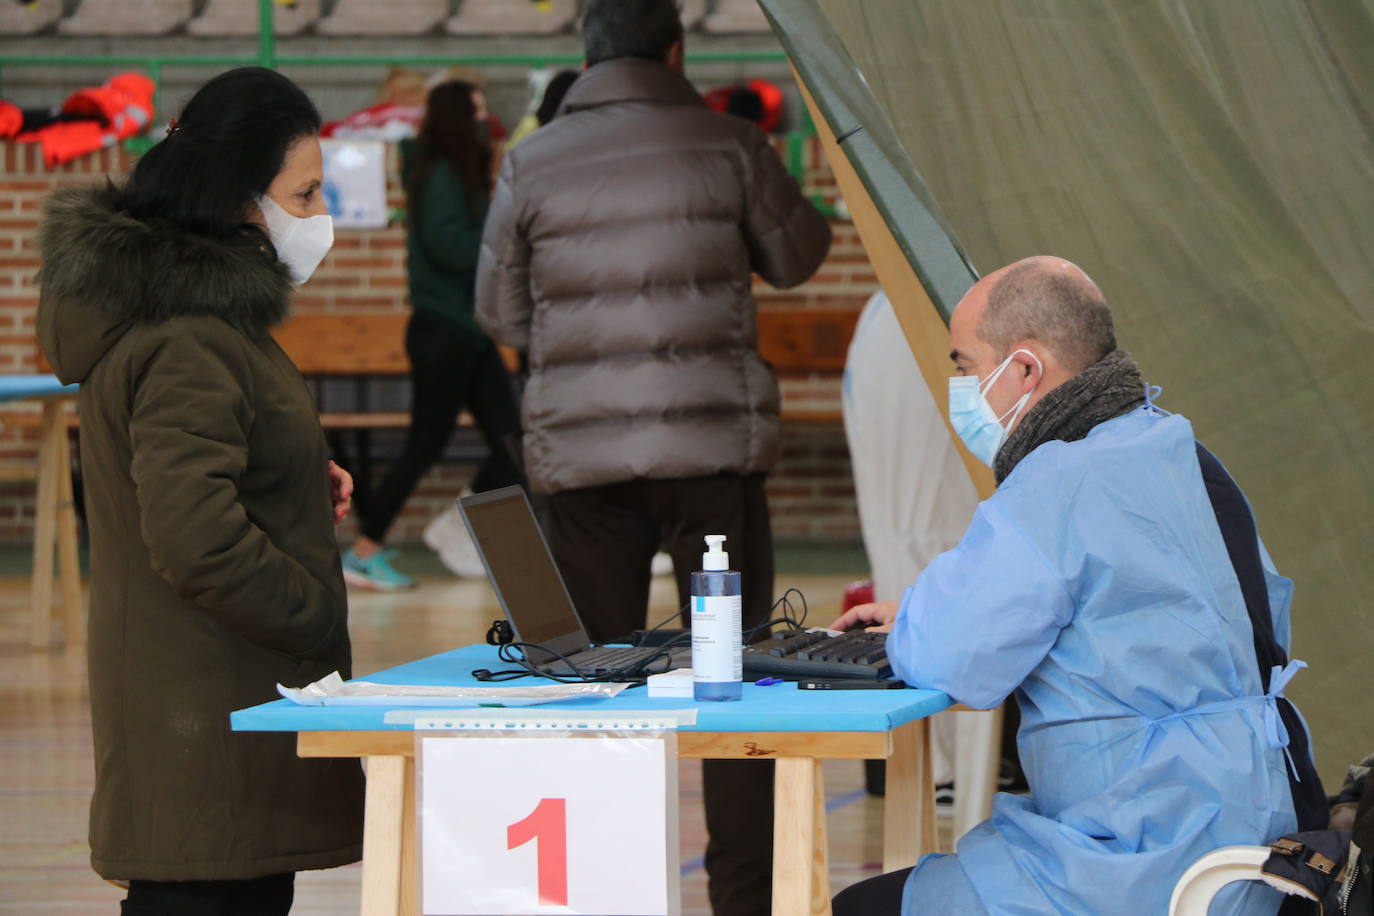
(301, 242)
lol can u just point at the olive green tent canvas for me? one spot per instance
(1211, 165)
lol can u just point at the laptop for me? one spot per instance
(533, 596)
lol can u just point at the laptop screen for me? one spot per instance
(522, 570)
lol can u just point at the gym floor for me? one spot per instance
(45, 742)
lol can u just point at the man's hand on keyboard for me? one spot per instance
(876, 617)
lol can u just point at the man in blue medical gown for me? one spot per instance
(1115, 582)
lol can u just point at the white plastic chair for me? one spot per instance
(735, 17)
(21, 19)
(1205, 878)
(126, 17)
(372, 18)
(504, 17)
(692, 12)
(234, 17)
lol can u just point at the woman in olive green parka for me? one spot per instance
(214, 569)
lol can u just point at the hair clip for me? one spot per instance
(171, 127)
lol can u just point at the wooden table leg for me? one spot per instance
(383, 836)
(909, 828)
(801, 880)
(978, 746)
(69, 561)
(820, 852)
(45, 522)
(410, 847)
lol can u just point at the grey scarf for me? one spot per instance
(1106, 389)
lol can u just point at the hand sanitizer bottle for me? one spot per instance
(717, 662)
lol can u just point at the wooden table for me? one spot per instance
(794, 728)
(55, 515)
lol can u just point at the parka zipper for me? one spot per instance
(1350, 879)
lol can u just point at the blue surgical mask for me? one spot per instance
(972, 416)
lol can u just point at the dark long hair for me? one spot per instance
(227, 146)
(449, 135)
(553, 95)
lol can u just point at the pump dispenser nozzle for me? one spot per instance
(715, 558)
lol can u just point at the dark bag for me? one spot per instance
(1310, 865)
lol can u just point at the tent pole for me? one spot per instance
(926, 331)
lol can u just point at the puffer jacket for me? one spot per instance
(214, 570)
(618, 252)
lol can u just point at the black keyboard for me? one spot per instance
(797, 655)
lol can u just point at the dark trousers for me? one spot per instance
(603, 539)
(451, 367)
(270, 896)
(880, 896)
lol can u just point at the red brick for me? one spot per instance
(366, 263)
(326, 279)
(364, 302)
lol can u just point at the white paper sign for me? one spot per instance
(355, 183)
(578, 824)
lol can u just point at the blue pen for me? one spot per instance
(767, 681)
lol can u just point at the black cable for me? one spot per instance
(788, 615)
(634, 672)
(681, 612)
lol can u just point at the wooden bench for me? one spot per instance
(373, 344)
(55, 514)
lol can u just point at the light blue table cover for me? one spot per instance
(779, 708)
(18, 387)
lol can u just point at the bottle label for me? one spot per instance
(716, 639)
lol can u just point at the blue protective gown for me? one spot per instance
(1095, 583)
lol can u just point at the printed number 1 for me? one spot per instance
(548, 823)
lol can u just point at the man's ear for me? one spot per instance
(677, 57)
(1032, 370)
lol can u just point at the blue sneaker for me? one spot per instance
(376, 572)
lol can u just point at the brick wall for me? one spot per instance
(811, 492)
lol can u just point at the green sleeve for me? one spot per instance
(449, 231)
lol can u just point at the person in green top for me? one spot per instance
(453, 362)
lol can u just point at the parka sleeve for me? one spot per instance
(982, 616)
(191, 416)
(504, 301)
(788, 238)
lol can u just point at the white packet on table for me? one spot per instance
(332, 690)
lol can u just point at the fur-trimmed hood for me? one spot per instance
(104, 272)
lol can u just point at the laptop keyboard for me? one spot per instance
(804, 655)
(601, 660)
(608, 659)
(793, 655)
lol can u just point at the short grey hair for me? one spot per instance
(1063, 310)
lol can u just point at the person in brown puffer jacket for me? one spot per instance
(618, 255)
